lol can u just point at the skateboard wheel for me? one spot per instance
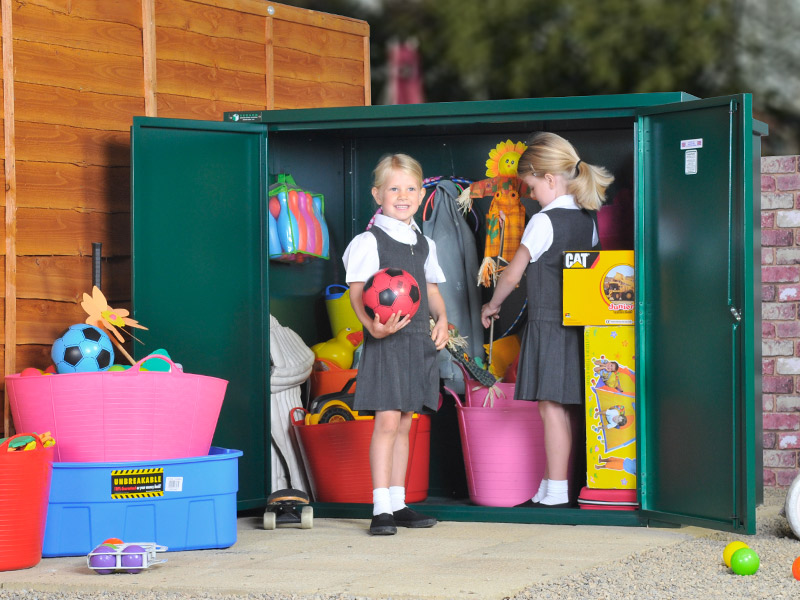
(270, 520)
(307, 517)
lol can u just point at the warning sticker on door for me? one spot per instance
(136, 483)
(690, 162)
(695, 143)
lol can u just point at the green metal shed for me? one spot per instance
(203, 285)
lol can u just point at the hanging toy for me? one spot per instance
(505, 223)
(504, 159)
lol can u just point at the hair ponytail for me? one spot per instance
(551, 153)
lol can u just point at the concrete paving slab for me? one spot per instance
(453, 560)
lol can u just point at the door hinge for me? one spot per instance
(734, 107)
(737, 316)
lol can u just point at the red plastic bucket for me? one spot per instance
(336, 457)
(24, 493)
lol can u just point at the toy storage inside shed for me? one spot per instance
(217, 263)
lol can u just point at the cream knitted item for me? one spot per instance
(291, 366)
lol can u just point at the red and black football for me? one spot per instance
(391, 291)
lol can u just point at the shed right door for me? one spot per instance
(695, 316)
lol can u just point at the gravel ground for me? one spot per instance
(692, 569)
(689, 570)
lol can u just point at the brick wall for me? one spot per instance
(780, 295)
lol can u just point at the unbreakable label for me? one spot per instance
(137, 483)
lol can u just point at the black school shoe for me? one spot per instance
(382, 524)
(405, 517)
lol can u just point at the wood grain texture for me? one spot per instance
(67, 278)
(198, 81)
(177, 107)
(226, 53)
(321, 42)
(295, 64)
(209, 20)
(128, 12)
(73, 187)
(294, 93)
(44, 231)
(35, 23)
(284, 12)
(10, 199)
(36, 356)
(81, 70)
(149, 58)
(60, 106)
(76, 145)
(42, 321)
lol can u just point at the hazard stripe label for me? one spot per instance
(137, 483)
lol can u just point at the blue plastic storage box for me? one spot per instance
(184, 504)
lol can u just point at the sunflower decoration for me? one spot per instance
(110, 320)
(503, 159)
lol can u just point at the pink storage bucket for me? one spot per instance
(502, 443)
(120, 415)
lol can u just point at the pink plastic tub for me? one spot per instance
(502, 443)
(119, 415)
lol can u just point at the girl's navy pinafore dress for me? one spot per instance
(399, 372)
(550, 359)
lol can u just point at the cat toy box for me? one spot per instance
(598, 288)
(610, 381)
(184, 504)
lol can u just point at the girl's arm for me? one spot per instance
(376, 329)
(509, 279)
(436, 306)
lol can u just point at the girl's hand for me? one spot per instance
(439, 334)
(488, 313)
(395, 323)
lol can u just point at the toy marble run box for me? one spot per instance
(598, 288)
(610, 407)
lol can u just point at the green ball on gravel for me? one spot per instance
(745, 561)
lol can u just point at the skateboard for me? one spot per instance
(288, 507)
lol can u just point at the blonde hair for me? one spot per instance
(399, 162)
(551, 153)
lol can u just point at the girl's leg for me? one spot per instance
(403, 515)
(400, 451)
(381, 449)
(557, 447)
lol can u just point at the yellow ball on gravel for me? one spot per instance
(730, 549)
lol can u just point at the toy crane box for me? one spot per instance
(184, 504)
(610, 381)
(598, 288)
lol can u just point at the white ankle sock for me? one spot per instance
(397, 494)
(557, 492)
(382, 503)
(542, 491)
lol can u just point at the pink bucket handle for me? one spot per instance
(454, 395)
(138, 366)
(5, 444)
(300, 421)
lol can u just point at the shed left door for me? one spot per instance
(199, 281)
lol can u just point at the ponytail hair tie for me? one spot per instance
(577, 164)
